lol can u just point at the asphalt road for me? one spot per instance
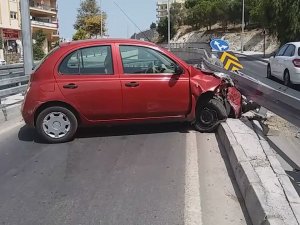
(258, 70)
(154, 174)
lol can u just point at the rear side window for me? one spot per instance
(290, 51)
(299, 51)
(46, 57)
(88, 61)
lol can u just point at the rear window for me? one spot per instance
(38, 65)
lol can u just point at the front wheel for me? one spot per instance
(56, 124)
(269, 72)
(209, 115)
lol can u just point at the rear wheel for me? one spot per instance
(287, 79)
(56, 124)
(209, 115)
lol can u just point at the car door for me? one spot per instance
(278, 61)
(287, 58)
(150, 88)
(87, 79)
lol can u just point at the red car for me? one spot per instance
(112, 81)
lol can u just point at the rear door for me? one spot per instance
(150, 88)
(88, 79)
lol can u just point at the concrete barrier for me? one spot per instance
(269, 195)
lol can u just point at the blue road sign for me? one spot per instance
(219, 45)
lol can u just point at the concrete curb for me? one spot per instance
(267, 191)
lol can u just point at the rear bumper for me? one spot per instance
(295, 77)
(28, 112)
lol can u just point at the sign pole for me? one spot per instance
(243, 25)
(169, 26)
(26, 37)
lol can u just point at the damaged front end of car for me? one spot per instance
(217, 99)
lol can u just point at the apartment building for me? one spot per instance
(43, 14)
(10, 32)
(162, 5)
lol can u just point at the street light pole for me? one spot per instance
(243, 26)
(26, 37)
(169, 25)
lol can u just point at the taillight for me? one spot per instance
(296, 62)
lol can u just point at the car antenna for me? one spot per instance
(131, 21)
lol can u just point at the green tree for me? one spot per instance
(89, 19)
(153, 25)
(80, 35)
(162, 29)
(39, 37)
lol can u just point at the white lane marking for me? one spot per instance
(192, 208)
(10, 127)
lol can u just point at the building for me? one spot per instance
(43, 14)
(162, 6)
(10, 31)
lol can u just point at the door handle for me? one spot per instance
(70, 86)
(132, 84)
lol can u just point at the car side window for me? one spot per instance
(299, 51)
(142, 60)
(290, 51)
(88, 61)
(282, 50)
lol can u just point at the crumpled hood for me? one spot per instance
(201, 82)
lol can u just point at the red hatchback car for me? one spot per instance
(110, 81)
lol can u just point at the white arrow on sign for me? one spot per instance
(221, 47)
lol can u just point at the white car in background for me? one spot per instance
(285, 64)
(2, 62)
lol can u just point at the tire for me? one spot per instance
(209, 115)
(269, 72)
(287, 79)
(56, 124)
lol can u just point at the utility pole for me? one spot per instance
(26, 37)
(101, 15)
(169, 25)
(243, 26)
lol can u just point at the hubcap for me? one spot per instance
(208, 116)
(56, 125)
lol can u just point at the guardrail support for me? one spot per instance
(26, 37)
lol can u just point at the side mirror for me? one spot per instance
(178, 70)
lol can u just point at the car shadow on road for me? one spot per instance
(29, 134)
(124, 130)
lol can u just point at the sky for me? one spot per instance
(142, 12)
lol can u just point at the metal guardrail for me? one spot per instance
(275, 100)
(12, 81)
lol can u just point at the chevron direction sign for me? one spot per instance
(230, 61)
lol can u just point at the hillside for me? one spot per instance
(253, 38)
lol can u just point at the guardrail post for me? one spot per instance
(3, 108)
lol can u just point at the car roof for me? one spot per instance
(297, 44)
(105, 41)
